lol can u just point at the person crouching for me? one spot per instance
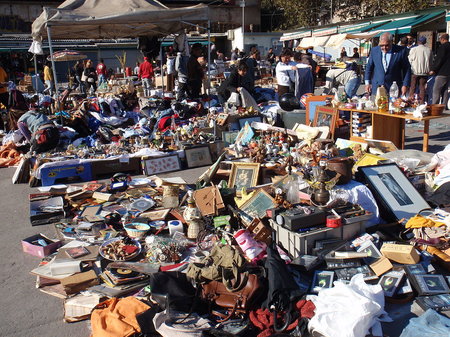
(39, 131)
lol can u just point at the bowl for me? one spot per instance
(436, 109)
(116, 241)
(137, 230)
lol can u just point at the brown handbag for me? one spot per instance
(242, 298)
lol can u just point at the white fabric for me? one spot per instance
(284, 73)
(36, 48)
(349, 310)
(420, 59)
(357, 193)
(114, 19)
(440, 162)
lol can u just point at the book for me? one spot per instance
(426, 284)
(390, 282)
(436, 302)
(77, 252)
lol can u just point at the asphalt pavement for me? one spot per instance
(27, 312)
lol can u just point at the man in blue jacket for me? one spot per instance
(387, 63)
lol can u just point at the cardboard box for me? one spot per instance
(108, 167)
(404, 254)
(381, 266)
(37, 250)
(46, 211)
(66, 173)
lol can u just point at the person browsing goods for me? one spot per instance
(441, 68)
(387, 63)
(146, 75)
(39, 131)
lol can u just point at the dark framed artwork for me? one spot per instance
(258, 204)
(243, 175)
(198, 156)
(322, 279)
(395, 193)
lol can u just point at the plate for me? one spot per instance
(132, 256)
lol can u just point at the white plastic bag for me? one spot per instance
(430, 324)
(248, 100)
(234, 99)
(349, 310)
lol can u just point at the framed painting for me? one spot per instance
(258, 204)
(312, 102)
(243, 175)
(326, 116)
(395, 193)
(198, 156)
(251, 119)
(155, 165)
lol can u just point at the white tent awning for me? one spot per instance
(114, 19)
(319, 41)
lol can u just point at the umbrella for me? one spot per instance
(66, 55)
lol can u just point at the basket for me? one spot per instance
(436, 109)
(137, 230)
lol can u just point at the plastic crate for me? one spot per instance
(298, 244)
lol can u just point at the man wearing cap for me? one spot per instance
(195, 72)
(146, 75)
(420, 59)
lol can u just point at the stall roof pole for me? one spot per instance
(35, 73)
(209, 57)
(55, 80)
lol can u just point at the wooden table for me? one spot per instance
(386, 126)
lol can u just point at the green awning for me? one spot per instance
(296, 35)
(361, 27)
(447, 15)
(405, 25)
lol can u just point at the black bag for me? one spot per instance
(173, 291)
(283, 290)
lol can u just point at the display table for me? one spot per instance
(386, 126)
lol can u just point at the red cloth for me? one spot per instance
(263, 319)
(145, 70)
(101, 69)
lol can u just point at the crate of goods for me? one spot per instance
(52, 175)
(40, 245)
(107, 167)
(298, 244)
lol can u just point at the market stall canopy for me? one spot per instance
(66, 55)
(114, 19)
(296, 35)
(337, 40)
(319, 41)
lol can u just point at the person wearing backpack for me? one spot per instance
(346, 77)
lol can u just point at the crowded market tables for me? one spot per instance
(391, 127)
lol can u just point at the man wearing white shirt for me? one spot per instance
(285, 72)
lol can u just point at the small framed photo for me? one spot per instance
(397, 197)
(243, 175)
(156, 215)
(312, 103)
(322, 279)
(229, 137)
(258, 204)
(326, 116)
(414, 269)
(221, 119)
(431, 284)
(390, 282)
(249, 120)
(155, 165)
(198, 156)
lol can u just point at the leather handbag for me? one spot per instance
(244, 294)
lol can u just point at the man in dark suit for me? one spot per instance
(387, 63)
(441, 68)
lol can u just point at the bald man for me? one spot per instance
(387, 63)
